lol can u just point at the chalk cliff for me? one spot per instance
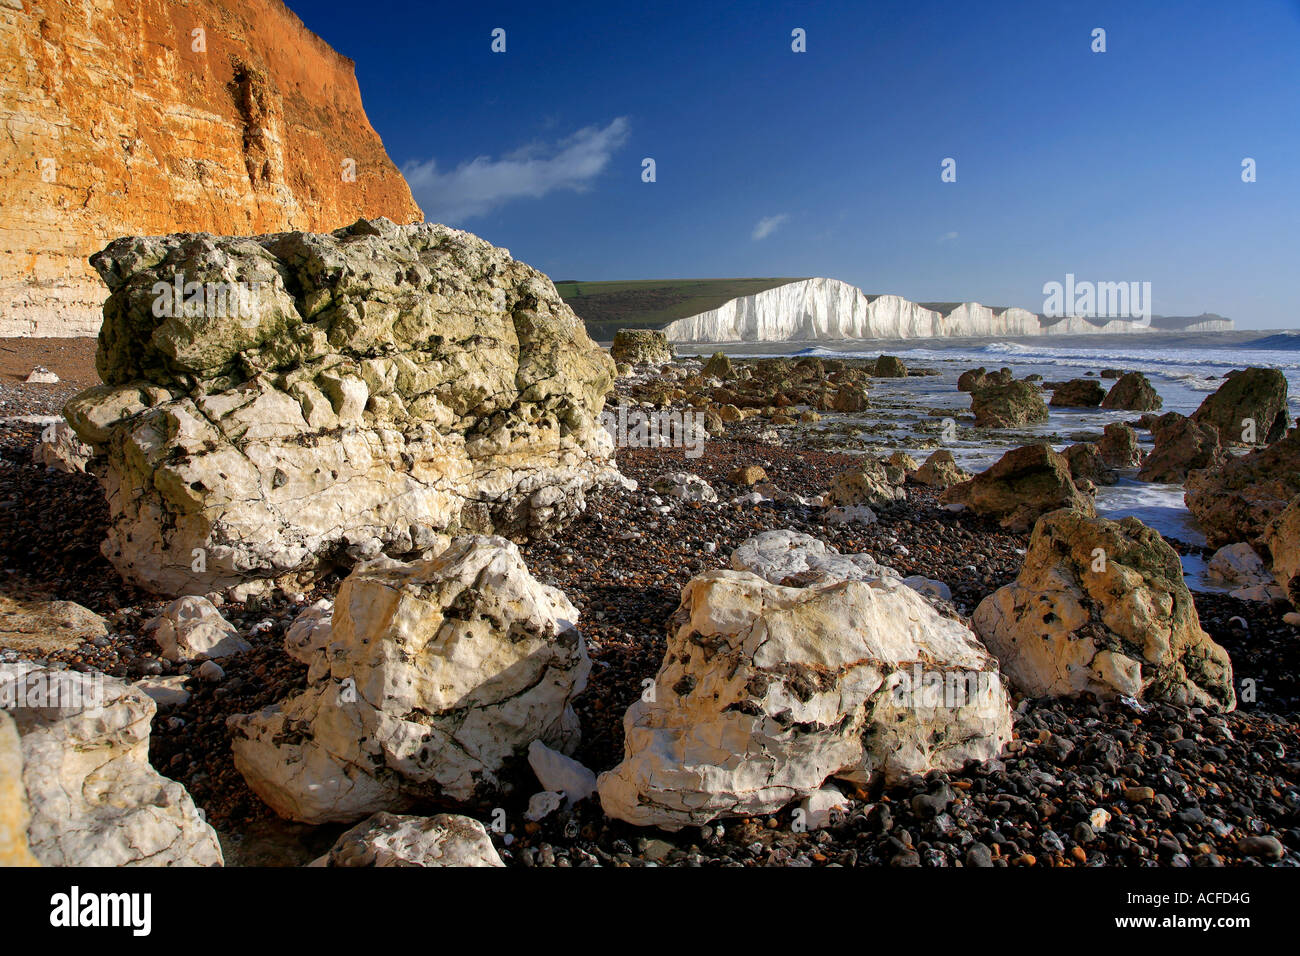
(827, 309)
(119, 119)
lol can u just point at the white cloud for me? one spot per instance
(768, 225)
(482, 184)
(948, 237)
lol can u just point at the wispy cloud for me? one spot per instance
(768, 225)
(948, 237)
(483, 184)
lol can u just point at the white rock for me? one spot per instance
(60, 448)
(166, 692)
(210, 671)
(851, 514)
(190, 626)
(560, 773)
(685, 487)
(40, 375)
(1264, 593)
(94, 798)
(541, 805)
(1098, 819)
(387, 839)
(1238, 564)
(767, 691)
(779, 555)
(928, 587)
(310, 631)
(818, 805)
(441, 671)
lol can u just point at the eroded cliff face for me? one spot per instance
(828, 309)
(119, 119)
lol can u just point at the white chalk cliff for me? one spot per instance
(827, 309)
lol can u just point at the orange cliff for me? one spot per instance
(119, 120)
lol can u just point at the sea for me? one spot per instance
(1184, 368)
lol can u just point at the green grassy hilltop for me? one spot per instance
(606, 307)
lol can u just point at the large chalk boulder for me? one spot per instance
(440, 672)
(376, 387)
(93, 796)
(767, 691)
(1101, 606)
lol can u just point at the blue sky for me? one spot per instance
(1115, 166)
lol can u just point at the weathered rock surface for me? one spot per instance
(685, 487)
(767, 691)
(1237, 500)
(641, 347)
(1249, 408)
(1133, 392)
(1182, 446)
(392, 383)
(1119, 447)
(889, 366)
(94, 798)
(1079, 393)
(440, 672)
(1282, 538)
(14, 815)
(41, 627)
(1008, 406)
(1101, 606)
(869, 485)
(1020, 487)
(976, 378)
(718, 366)
(60, 448)
(1238, 564)
(190, 627)
(1087, 463)
(116, 125)
(388, 839)
(940, 471)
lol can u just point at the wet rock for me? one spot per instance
(889, 366)
(1238, 500)
(1182, 445)
(1012, 405)
(1249, 408)
(1133, 392)
(1078, 393)
(1022, 485)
